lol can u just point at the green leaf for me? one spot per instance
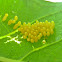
(30, 11)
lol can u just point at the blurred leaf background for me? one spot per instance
(30, 11)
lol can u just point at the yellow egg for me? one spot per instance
(31, 32)
(28, 39)
(44, 41)
(35, 38)
(52, 24)
(44, 33)
(34, 33)
(26, 33)
(16, 18)
(29, 24)
(38, 29)
(48, 33)
(24, 36)
(37, 21)
(32, 26)
(10, 22)
(32, 41)
(35, 27)
(47, 30)
(41, 24)
(24, 24)
(29, 35)
(49, 24)
(38, 36)
(32, 36)
(41, 30)
(46, 22)
(21, 29)
(44, 28)
(15, 26)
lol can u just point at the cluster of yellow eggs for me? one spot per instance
(33, 32)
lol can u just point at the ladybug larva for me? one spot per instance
(5, 17)
(15, 26)
(9, 22)
(13, 21)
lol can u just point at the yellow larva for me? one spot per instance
(10, 22)
(5, 17)
(15, 26)
(13, 21)
(16, 18)
(44, 41)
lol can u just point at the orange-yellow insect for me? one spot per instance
(5, 17)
